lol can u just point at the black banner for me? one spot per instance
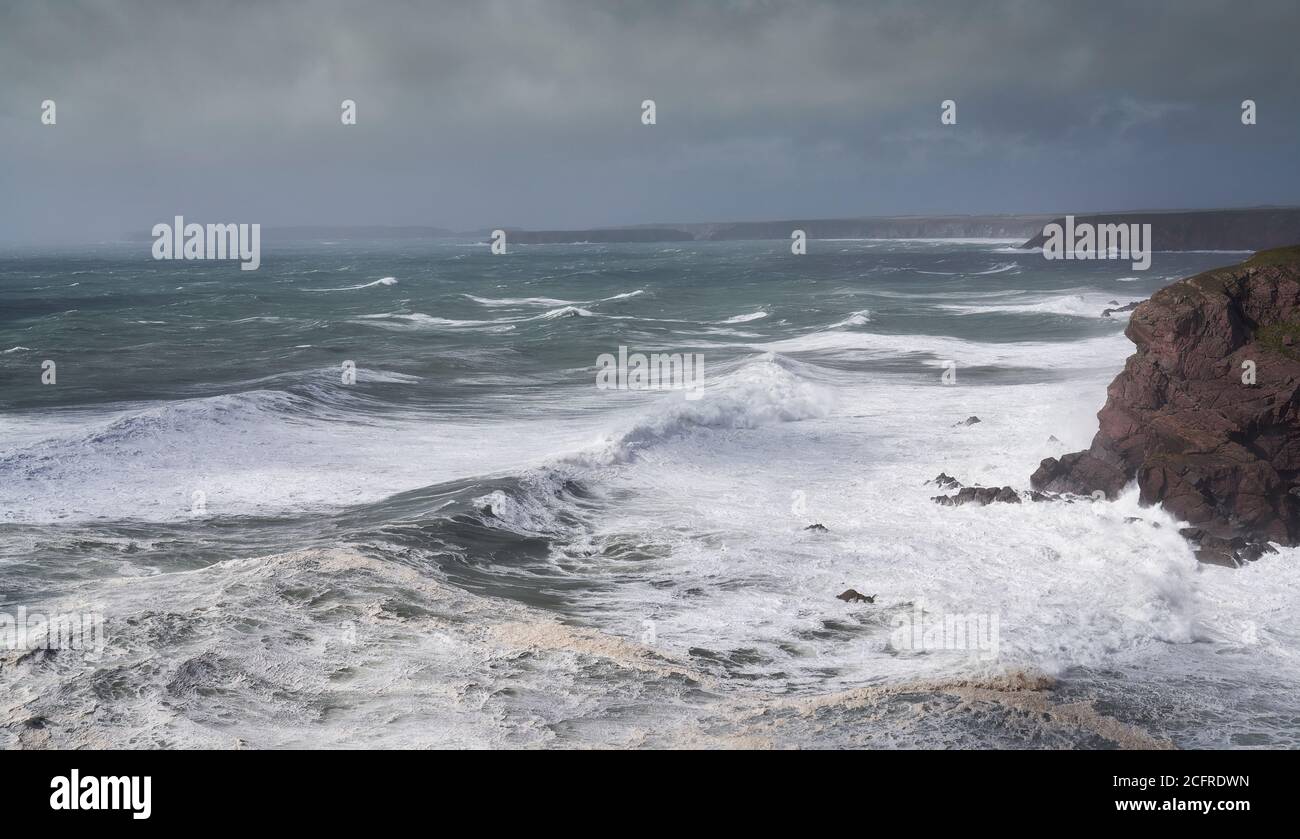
(139, 790)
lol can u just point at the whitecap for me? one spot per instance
(1000, 268)
(745, 318)
(519, 301)
(564, 312)
(382, 281)
(625, 295)
(858, 318)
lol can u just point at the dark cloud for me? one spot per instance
(527, 113)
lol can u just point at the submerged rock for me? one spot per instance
(1206, 413)
(968, 421)
(817, 526)
(1155, 525)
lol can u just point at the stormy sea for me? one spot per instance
(370, 495)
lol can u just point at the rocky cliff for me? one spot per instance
(1206, 414)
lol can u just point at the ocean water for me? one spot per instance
(474, 546)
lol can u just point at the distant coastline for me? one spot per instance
(1250, 229)
(1173, 230)
(882, 227)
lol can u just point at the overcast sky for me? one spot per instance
(487, 114)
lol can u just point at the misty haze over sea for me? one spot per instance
(478, 116)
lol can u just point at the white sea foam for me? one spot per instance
(260, 451)
(519, 301)
(752, 316)
(859, 318)
(754, 395)
(1072, 584)
(564, 312)
(1085, 354)
(547, 301)
(1075, 305)
(625, 295)
(382, 281)
(1000, 268)
(418, 320)
(297, 647)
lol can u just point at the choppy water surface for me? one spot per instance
(473, 545)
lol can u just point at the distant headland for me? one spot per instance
(1250, 229)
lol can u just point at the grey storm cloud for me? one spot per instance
(527, 113)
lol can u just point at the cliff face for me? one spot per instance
(1205, 229)
(1184, 417)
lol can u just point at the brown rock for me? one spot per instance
(1214, 450)
(980, 496)
(1127, 307)
(1080, 473)
(1233, 552)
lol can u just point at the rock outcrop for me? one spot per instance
(979, 495)
(945, 481)
(983, 496)
(1127, 307)
(1206, 414)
